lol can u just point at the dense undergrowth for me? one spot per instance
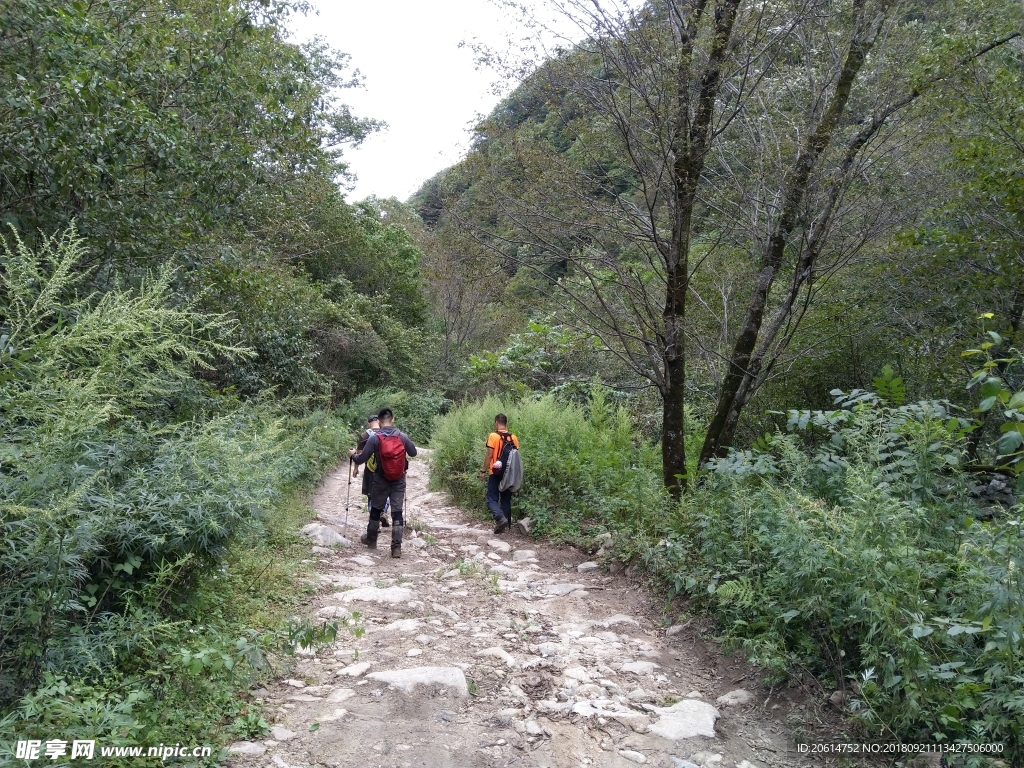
(583, 465)
(847, 546)
(146, 520)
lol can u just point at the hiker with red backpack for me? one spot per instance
(389, 449)
(500, 444)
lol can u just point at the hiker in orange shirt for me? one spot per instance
(498, 501)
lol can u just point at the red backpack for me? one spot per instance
(392, 456)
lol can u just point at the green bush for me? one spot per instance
(583, 467)
(123, 482)
(415, 412)
(851, 550)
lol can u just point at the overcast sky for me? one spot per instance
(417, 79)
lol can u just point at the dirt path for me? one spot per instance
(492, 651)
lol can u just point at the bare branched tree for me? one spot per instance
(693, 133)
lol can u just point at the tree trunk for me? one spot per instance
(741, 365)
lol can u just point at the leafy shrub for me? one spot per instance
(582, 466)
(851, 549)
(123, 482)
(415, 412)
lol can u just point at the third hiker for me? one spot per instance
(389, 448)
(498, 501)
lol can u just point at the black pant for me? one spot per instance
(382, 491)
(499, 502)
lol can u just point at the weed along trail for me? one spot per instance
(484, 650)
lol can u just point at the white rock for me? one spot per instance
(501, 546)
(403, 625)
(333, 612)
(415, 543)
(746, 764)
(639, 667)
(706, 759)
(450, 574)
(694, 695)
(350, 581)
(304, 697)
(279, 763)
(279, 733)
(674, 630)
(324, 536)
(340, 694)
(499, 653)
(587, 566)
(533, 728)
(561, 589)
(406, 680)
(446, 611)
(355, 670)
(294, 683)
(389, 595)
(618, 618)
(247, 748)
(735, 698)
(424, 639)
(678, 762)
(633, 757)
(362, 560)
(685, 720)
(414, 652)
(524, 554)
(577, 673)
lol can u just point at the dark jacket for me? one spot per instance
(373, 446)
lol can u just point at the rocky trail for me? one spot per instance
(484, 650)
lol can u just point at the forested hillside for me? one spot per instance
(748, 278)
(784, 242)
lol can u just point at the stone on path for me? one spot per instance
(678, 762)
(375, 595)
(324, 536)
(340, 694)
(524, 554)
(498, 653)
(639, 667)
(280, 733)
(247, 748)
(414, 652)
(633, 757)
(350, 581)
(685, 720)
(498, 544)
(294, 683)
(562, 589)
(355, 670)
(406, 680)
(403, 625)
(587, 566)
(523, 526)
(362, 560)
(735, 698)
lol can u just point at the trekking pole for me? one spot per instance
(348, 494)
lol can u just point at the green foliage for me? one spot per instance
(583, 467)
(889, 387)
(416, 413)
(997, 397)
(125, 483)
(849, 547)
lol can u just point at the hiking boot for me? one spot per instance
(396, 540)
(500, 525)
(370, 537)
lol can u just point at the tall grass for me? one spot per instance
(584, 468)
(124, 481)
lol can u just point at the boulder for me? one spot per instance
(324, 536)
(685, 720)
(406, 680)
